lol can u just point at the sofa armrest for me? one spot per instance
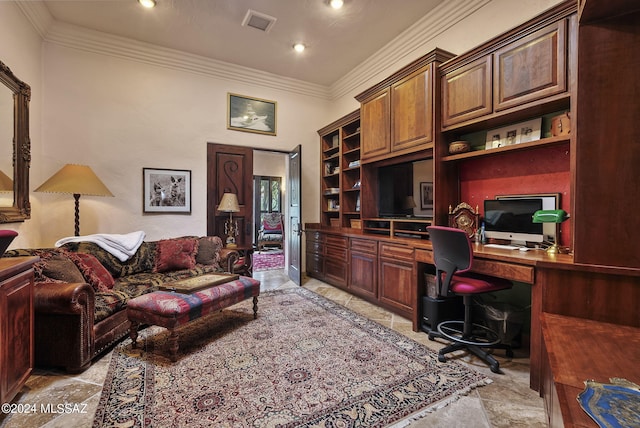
(64, 298)
(228, 257)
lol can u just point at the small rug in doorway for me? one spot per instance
(304, 362)
(268, 260)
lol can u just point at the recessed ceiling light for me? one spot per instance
(147, 3)
(336, 4)
(299, 47)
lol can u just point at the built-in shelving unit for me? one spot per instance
(399, 228)
(340, 182)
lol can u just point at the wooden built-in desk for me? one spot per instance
(576, 350)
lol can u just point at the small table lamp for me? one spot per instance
(229, 204)
(77, 180)
(551, 216)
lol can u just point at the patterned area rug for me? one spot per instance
(268, 260)
(305, 362)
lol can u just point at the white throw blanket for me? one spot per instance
(121, 246)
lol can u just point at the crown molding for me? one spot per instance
(408, 46)
(107, 44)
(38, 15)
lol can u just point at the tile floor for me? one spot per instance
(507, 402)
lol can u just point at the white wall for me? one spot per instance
(20, 50)
(120, 115)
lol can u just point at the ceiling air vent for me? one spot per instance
(258, 20)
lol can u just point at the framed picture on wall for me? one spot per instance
(166, 190)
(426, 195)
(251, 114)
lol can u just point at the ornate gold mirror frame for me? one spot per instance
(21, 208)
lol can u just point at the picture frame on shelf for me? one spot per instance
(249, 114)
(166, 191)
(426, 195)
(500, 137)
(529, 130)
(517, 133)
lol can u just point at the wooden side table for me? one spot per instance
(244, 266)
(16, 324)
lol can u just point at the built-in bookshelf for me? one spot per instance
(340, 172)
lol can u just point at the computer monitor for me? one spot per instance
(511, 219)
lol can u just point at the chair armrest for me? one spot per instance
(64, 298)
(228, 257)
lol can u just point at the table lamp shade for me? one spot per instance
(229, 203)
(75, 179)
(6, 183)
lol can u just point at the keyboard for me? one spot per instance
(502, 247)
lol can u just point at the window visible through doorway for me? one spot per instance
(268, 193)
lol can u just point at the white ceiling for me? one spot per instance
(337, 41)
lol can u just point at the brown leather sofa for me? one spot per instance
(78, 318)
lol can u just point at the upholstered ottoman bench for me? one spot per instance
(170, 310)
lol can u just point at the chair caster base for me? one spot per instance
(442, 358)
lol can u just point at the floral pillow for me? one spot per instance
(176, 254)
(93, 271)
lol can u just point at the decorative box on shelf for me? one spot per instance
(356, 223)
(334, 222)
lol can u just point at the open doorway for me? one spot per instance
(270, 186)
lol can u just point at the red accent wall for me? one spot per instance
(544, 170)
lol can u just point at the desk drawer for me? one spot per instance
(509, 271)
(364, 246)
(337, 241)
(396, 252)
(424, 256)
(315, 247)
(315, 236)
(335, 253)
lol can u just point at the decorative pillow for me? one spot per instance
(94, 273)
(272, 224)
(209, 250)
(142, 261)
(62, 268)
(176, 254)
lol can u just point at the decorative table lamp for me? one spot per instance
(77, 180)
(229, 204)
(551, 216)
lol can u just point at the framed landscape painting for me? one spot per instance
(166, 190)
(251, 114)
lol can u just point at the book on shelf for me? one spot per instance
(354, 164)
(332, 191)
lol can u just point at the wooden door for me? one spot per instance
(294, 234)
(230, 170)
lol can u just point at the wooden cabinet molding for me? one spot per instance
(399, 114)
(527, 65)
(16, 324)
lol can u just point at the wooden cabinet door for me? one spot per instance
(396, 283)
(374, 126)
(532, 68)
(363, 271)
(412, 111)
(466, 92)
(16, 333)
(397, 278)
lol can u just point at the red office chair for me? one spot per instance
(453, 257)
